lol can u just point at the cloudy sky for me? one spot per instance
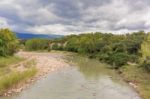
(75, 16)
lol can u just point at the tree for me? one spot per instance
(37, 44)
(8, 42)
(145, 50)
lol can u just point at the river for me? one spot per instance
(87, 79)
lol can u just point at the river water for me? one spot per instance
(88, 79)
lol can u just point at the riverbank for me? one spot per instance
(13, 71)
(132, 74)
(43, 64)
(137, 78)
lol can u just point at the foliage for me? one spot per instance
(37, 44)
(118, 59)
(57, 46)
(146, 64)
(145, 46)
(8, 42)
(145, 50)
(116, 50)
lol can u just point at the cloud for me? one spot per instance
(3, 23)
(75, 16)
(57, 28)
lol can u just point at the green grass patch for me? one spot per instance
(5, 61)
(140, 76)
(4, 71)
(15, 77)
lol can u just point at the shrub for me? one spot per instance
(57, 46)
(146, 64)
(133, 58)
(71, 47)
(103, 57)
(8, 42)
(37, 44)
(118, 59)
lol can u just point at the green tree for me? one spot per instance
(37, 44)
(145, 50)
(8, 42)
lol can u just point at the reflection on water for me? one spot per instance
(93, 69)
(88, 80)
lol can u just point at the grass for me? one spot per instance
(6, 61)
(9, 76)
(15, 77)
(141, 77)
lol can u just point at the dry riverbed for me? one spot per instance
(44, 63)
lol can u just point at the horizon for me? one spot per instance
(65, 17)
(31, 33)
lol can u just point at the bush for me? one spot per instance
(146, 64)
(134, 58)
(118, 59)
(8, 42)
(37, 44)
(57, 46)
(71, 47)
(103, 57)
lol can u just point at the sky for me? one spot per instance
(75, 16)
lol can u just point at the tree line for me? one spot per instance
(116, 50)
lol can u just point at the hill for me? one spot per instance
(33, 35)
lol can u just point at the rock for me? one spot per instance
(18, 90)
(5, 94)
(9, 92)
(133, 85)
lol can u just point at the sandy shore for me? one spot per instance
(45, 63)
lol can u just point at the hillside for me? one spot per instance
(33, 35)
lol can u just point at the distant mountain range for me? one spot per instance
(33, 35)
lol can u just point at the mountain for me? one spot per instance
(33, 35)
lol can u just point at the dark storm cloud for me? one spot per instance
(68, 16)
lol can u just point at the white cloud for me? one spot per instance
(75, 16)
(56, 28)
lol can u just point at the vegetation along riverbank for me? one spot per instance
(128, 54)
